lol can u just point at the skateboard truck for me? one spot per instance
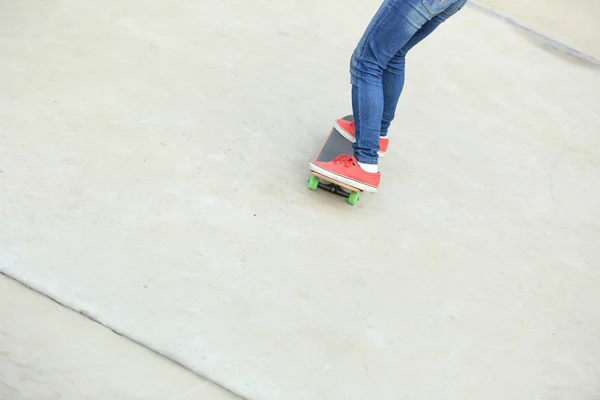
(335, 189)
(315, 182)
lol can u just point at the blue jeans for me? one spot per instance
(377, 65)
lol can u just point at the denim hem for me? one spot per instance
(366, 159)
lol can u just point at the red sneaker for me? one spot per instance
(383, 145)
(348, 130)
(345, 169)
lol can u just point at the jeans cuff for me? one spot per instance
(366, 159)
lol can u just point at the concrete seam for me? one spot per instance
(91, 318)
(552, 42)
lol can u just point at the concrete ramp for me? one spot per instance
(570, 23)
(153, 166)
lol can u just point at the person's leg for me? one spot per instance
(392, 28)
(393, 83)
(394, 25)
(394, 73)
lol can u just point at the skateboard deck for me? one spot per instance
(334, 145)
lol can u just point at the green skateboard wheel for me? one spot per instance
(313, 183)
(353, 198)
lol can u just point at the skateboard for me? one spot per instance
(334, 145)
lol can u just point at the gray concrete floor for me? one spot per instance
(50, 352)
(153, 162)
(574, 23)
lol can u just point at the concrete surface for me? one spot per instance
(154, 159)
(49, 352)
(574, 23)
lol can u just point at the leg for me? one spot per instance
(396, 22)
(390, 31)
(393, 75)
(393, 83)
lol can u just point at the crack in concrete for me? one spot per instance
(89, 317)
(560, 46)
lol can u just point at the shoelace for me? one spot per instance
(345, 159)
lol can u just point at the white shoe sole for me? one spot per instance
(349, 137)
(342, 179)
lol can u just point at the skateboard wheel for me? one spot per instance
(313, 183)
(353, 198)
